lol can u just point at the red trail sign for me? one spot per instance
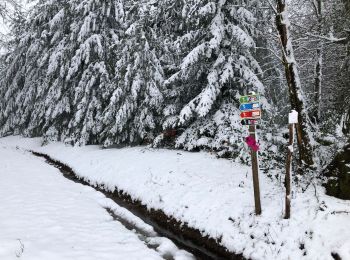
(251, 114)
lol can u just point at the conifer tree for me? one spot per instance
(94, 33)
(23, 83)
(133, 112)
(217, 64)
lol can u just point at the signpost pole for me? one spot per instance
(255, 169)
(293, 120)
(288, 166)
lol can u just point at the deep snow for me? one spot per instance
(44, 216)
(215, 196)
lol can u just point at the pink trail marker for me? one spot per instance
(251, 142)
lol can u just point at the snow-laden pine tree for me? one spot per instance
(50, 113)
(135, 106)
(94, 34)
(24, 83)
(60, 72)
(216, 64)
(88, 71)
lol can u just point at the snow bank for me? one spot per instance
(215, 196)
(47, 217)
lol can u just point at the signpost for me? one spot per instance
(249, 99)
(249, 106)
(250, 121)
(293, 120)
(251, 115)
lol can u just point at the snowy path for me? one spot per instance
(45, 216)
(214, 196)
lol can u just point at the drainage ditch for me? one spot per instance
(185, 237)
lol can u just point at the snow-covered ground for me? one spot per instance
(215, 196)
(44, 216)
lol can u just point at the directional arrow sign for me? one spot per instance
(253, 114)
(249, 99)
(250, 121)
(249, 106)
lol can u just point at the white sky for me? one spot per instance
(26, 6)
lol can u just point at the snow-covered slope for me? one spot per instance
(44, 216)
(215, 196)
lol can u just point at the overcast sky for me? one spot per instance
(3, 27)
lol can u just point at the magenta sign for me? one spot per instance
(251, 142)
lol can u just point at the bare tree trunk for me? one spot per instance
(346, 123)
(318, 84)
(293, 80)
(319, 63)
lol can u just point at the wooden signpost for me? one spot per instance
(293, 119)
(250, 115)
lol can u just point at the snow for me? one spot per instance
(293, 117)
(216, 197)
(45, 216)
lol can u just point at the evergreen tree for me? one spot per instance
(94, 71)
(23, 83)
(133, 112)
(94, 33)
(216, 65)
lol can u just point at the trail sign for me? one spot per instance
(252, 114)
(249, 106)
(250, 109)
(249, 99)
(251, 142)
(250, 121)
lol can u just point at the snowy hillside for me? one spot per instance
(217, 129)
(214, 196)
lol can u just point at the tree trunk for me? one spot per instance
(346, 123)
(318, 84)
(319, 63)
(318, 67)
(293, 80)
(338, 174)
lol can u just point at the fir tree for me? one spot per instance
(133, 112)
(217, 64)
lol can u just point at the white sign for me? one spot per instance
(293, 117)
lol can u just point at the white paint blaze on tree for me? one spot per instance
(296, 95)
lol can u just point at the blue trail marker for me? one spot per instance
(249, 106)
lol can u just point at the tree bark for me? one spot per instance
(319, 63)
(318, 84)
(294, 86)
(346, 124)
(338, 174)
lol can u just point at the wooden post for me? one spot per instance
(255, 170)
(288, 169)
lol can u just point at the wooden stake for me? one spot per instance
(255, 170)
(288, 169)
